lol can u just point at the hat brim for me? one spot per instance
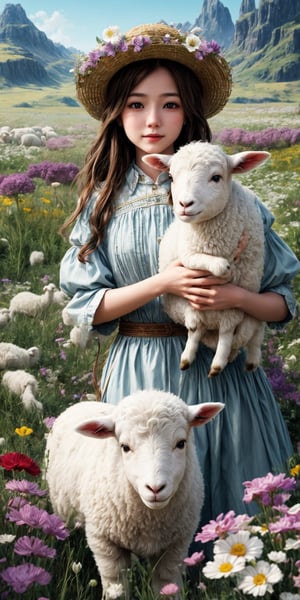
(213, 72)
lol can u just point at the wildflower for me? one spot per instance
(6, 538)
(277, 557)
(114, 591)
(240, 544)
(16, 461)
(49, 422)
(93, 583)
(295, 471)
(2, 441)
(20, 578)
(193, 560)
(23, 431)
(169, 590)
(261, 489)
(292, 544)
(25, 487)
(192, 42)
(224, 565)
(16, 183)
(258, 580)
(224, 524)
(112, 34)
(76, 567)
(26, 546)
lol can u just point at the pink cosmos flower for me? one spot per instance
(194, 559)
(25, 487)
(169, 590)
(261, 488)
(228, 523)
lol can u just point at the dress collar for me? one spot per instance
(135, 175)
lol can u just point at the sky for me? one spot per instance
(76, 24)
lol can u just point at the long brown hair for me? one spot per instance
(109, 157)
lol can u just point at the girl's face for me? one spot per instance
(153, 116)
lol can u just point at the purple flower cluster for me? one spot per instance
(17, 183)
(35, 517)
(52, 172)
(21, 577)
(265, 138)
(60, 142)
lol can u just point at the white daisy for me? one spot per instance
(112, 34)
(292, 544)
(223, 566)
(277, 557)
(115, 590)
(192, 42)
(258, 580)
(6, 538)
(240, 544)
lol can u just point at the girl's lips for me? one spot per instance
(153, 137)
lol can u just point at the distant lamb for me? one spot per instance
(36, 258)
(24, 385)
(212, 214)
(4, 317)
(15, 357)
(138, 487)
(31, 304)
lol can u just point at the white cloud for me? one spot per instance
(55, 26)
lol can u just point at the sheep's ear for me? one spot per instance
(202, 413)
(103, 428)
(161, 162)
(246, 161)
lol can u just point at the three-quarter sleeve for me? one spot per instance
(85, 283)
(281, 266)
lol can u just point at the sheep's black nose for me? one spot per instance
(186, 204)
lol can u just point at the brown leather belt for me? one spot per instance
(151, 329)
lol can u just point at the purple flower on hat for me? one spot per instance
(140, 41)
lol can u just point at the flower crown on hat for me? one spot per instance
(114, 41)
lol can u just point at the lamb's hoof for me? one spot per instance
(214, 371)
(184, 364)
(250, 367)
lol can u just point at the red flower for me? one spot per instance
(15, 461)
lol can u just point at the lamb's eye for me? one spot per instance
(216, 178)
(181, 444)
(125, 448)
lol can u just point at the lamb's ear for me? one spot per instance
(246, 161)
(98, 428)
(161, 162)
(202, 413)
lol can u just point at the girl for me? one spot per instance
(154, 90)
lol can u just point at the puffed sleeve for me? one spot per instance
(85, 283)
(281, 266)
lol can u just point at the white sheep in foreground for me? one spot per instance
(31, 304)
(16, 357)
(212, 215)
(138, 487)
(36, 258)
(25, 385)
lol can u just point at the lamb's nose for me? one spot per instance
(185, 204)
(155, 489)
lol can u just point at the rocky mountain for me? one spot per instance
(27, 55)
(263, 44)
(266, 40)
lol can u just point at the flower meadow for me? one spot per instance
(41, 558)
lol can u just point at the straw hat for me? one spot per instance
(95, 70)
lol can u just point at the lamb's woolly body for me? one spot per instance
(204, 239)
(15, 357)
(31, 304)
(87, 481)
(24, 385)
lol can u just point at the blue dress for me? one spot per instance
(249, 437)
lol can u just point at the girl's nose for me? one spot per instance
(153, 118)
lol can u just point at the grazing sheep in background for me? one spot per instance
(212, 214)
(4, 316)
(15, 357)
(36, 258)
(24, 385)
(60, 298)
(31, 304)
(32, 139)
(138, 487)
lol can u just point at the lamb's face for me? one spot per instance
(201, 182)
(154, 457)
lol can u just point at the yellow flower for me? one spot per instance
(7, 202)
(23, 431)
(295, 471)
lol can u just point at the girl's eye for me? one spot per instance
(135, 105)
(171, 105)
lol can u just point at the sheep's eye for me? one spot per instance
(125, 448)
(216, 178)
(181, 444)
(170, 177)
